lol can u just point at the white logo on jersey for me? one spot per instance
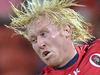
(95, 59)
(75, 72)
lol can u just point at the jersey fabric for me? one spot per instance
(88, 62)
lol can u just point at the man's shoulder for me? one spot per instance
(94, 48)
(91, 58)
(97, 42)
(91, 47)
(95, 45)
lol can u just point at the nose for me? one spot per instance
(41, 43)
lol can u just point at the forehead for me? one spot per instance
(42, 23)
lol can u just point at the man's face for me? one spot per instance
(48, 41)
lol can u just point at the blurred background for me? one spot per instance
(18, 51)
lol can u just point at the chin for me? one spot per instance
(52, 64)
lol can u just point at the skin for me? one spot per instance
(46, 36)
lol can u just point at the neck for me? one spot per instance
(70, 55)
(70, 63)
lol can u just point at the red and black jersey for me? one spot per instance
(88, 62)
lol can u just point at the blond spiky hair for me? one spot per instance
(58, 10)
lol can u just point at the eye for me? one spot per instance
(34, 40)
(43, 34)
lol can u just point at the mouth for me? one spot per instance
(45, 53)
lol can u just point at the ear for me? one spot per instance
(67, 31)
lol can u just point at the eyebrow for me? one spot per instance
(33, 34)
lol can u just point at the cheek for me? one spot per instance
(53, 38)
(56, 51)
(56, 41)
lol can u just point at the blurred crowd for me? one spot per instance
(16, 54)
